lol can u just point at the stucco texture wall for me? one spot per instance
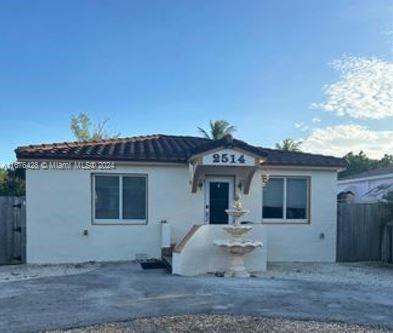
(316, 240)
(59, 208)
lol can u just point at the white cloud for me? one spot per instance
(341, 139)
(364, 89)
(302, 126)
(316, 120)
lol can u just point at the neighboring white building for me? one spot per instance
(109, 200)
(367, 187)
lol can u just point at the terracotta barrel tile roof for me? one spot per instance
(165, 148)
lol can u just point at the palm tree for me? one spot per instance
(218, 129)
(289, 145)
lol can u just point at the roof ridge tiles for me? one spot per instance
(166, 148)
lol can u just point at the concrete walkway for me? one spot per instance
(117, 292)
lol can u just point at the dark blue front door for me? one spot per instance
(218, 202)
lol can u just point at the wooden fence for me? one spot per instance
(360, 231)
(12, 230)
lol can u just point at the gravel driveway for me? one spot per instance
(123, 291)
(222, 324)
(27, 272)
(366, 274)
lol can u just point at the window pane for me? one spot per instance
(296, 198)
(134, 198)
(273, 199)
(107, 197)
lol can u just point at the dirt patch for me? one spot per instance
(222, 324)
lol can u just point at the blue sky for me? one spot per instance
(170, 66)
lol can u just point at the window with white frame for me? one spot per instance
(286, 199)
(120, 198)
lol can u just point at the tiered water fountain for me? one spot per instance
(237, 246)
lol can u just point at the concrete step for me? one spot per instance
(167, 261)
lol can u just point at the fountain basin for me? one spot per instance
(238, 247)
(237, 231)
(236, 213)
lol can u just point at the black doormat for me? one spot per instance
(152, 264)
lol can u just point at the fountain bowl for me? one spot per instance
(237, 231)
(238, 247)
(236, 213)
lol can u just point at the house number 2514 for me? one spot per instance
(228, 158)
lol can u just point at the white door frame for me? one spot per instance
(231, 192)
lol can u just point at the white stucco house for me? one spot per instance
(131, 198)
(367, 187)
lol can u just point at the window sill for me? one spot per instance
(283, 221)
(119, 222)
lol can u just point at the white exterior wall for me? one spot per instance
(59, 208)
(359, 187)
(302, 242)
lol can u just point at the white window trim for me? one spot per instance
(120, 220)
(284, 220)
